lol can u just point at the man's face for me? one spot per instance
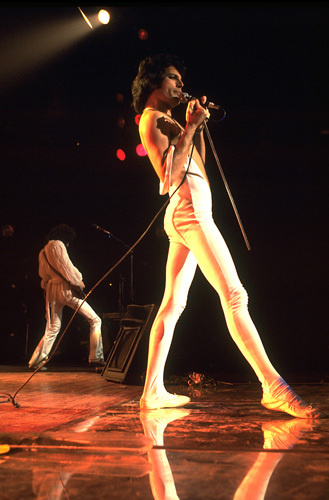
(172, 85)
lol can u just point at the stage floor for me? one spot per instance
(68, 433)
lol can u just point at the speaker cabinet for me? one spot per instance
(110, 328)
(127, 358)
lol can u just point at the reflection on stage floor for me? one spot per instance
(71, 434)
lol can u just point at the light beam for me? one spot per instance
(28, 49)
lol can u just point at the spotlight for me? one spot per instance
(103, 16)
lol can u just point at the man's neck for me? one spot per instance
(158, 105)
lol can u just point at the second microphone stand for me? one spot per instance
(121, 286)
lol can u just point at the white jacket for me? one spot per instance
(56, 287)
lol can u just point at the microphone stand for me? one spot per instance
(131, 293)
(227, 187)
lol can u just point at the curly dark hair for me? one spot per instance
(61, 232)
(151, 72)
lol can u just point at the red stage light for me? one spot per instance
(143, 34)
(140, 150)
(121, 155)
(121, 122)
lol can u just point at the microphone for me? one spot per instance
(185, 97)
(101, 229)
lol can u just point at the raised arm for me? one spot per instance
(158, 132)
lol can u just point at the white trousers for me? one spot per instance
(54, 325)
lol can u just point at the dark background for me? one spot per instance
(267, 65)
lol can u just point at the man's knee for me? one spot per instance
(177, 308)
(238, 299)
(95, 323)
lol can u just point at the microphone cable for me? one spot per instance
(12, 398)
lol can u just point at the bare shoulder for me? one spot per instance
(161, 122)
(151, 115)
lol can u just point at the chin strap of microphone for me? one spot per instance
(226, 186)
